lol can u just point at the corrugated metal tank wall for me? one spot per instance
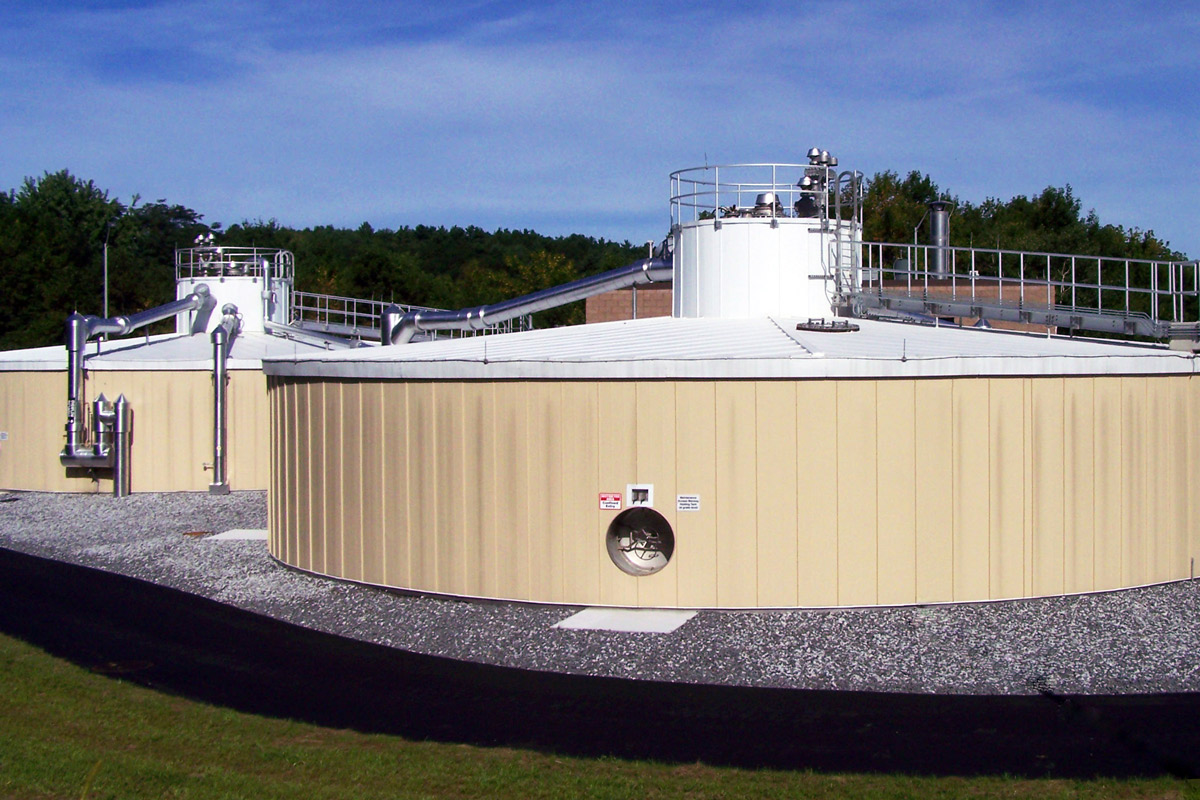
(172, 429)
(812, 493)
(748, 268)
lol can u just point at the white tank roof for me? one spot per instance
(162, 352)
(674, 348)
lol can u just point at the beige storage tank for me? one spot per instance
(795, 473)
(734, 458)
(167, 381)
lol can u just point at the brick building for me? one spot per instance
(653, 300)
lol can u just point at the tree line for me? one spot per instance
(1050, 222)
(53, 231)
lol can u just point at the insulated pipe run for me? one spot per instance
(646, 270)
(81, 328)
(222, 341)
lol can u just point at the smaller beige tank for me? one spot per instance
(166, 381)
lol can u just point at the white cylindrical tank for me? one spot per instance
(256, 280)
(750, 267)
(763, 240)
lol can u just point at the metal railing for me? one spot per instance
(234, 262)
(725, 191)
(348, 317)
(357, 318)
(1141, 297)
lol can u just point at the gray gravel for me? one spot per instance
(1134, 641)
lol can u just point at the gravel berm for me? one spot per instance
(1137, 641)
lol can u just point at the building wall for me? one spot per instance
(655, 301)
(812, 493)
(652, 301)
(172, 430)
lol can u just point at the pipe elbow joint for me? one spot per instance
(475, 319)
(77, 332)
(406, 328)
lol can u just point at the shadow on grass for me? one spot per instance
(203, 650)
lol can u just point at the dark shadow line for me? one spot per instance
(204, 650)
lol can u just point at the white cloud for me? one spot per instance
(559, 119)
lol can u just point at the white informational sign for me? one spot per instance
(610, 501)
(687, 502)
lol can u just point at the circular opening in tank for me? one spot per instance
(640, 541)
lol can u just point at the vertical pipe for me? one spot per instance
(122, 438)
(266, 293)
(221, 338)
(103, 420)
(939, 235)
(219, 485)
(76, 339)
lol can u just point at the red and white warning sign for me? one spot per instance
(610, 501)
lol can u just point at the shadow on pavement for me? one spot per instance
(197, 648)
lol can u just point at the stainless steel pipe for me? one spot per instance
(122, 440)
(939, 237)
(79, 329)
(222, 341)
(646, 270)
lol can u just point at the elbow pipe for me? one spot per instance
(88, 326)
(80, 329)
(227, 330)
(401, 331)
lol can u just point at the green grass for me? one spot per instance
(67, 732)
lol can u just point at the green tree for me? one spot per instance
(892, 207)
(51, 255)
(52, 235)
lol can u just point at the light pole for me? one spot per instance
(107, 231)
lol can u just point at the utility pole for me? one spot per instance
(107, 231)
(106, 275)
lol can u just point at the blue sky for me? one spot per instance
(569, 117)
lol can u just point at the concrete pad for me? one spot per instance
(627, 620)
(242, 533)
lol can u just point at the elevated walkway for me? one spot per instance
(1124, 296)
